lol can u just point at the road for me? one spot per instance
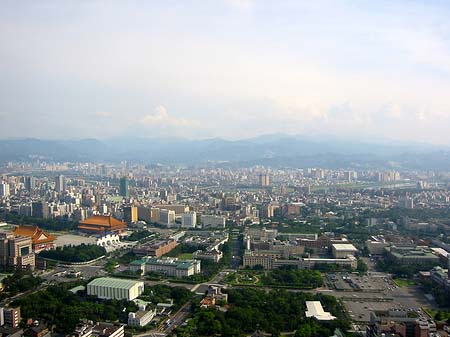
(178, 318)
(236, 260)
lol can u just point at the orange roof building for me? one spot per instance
(40, 239)
(101, 224)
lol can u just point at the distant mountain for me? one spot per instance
(270, 150)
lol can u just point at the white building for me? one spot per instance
(167, 217)
(213, 221)
(342, 250)
(315, 309)
(189, 220)
(141, 317)
(114, 288)
(4, 189)
(212, 255)
(170, 266)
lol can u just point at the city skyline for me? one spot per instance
(229, 69)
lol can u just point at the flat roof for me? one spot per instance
(315, 309)
(344, 246)
(114, 282)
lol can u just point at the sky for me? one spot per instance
(362, 70)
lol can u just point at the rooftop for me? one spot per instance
(315, 309)
(114, 282)
(345, 246)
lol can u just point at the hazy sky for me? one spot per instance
(225, 68)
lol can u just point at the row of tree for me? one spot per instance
(81, 253)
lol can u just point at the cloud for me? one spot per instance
(242, 5)
(391, 111)
(103, 114)
(161, 118)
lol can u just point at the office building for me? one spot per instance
(60, 184)
(16, 252)
(4, 189)
(130, 214)
(342, 250)
(39, 209)
(124, 187)
(144, 213)
(264, 180)
(170, 266)
(213, 221)
(405, 255)
(189, 220)
(30, 183)
(155, 214)
(167, 217)
(12, 317)
(115, 288)
(156, 249)
(178, 209)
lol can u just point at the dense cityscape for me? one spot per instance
(113, 249)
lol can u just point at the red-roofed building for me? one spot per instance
(40, 239)
(101, 224)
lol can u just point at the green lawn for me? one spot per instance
(401, 282)
(185, 256)
(437, 315)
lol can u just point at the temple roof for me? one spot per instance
(37, 235)
(101, 222)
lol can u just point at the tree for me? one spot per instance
(361, 266)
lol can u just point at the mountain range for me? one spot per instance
(270, 150)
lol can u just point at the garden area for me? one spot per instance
(283, 277)
(273, 312)
(81, 253)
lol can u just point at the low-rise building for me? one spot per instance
(169, 266)
(211, 255)
(115, 288)
(342, 250)
(157, 249)
(412, 255)
(141, 317)
(91, 329)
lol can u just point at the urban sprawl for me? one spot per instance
(96, 249)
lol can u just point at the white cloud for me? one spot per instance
(103, 114)
(241, 4)
(392, 111)
(161, 118)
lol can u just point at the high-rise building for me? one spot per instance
(39, 209)
(30, 183)
(16, 251)
(155, 214)
(167, 217)
(189, 220)
(60, 184)
(4, 189)
(130, 214)
(264, 180)
(144, 213)
(12, 317)
(124, 187)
